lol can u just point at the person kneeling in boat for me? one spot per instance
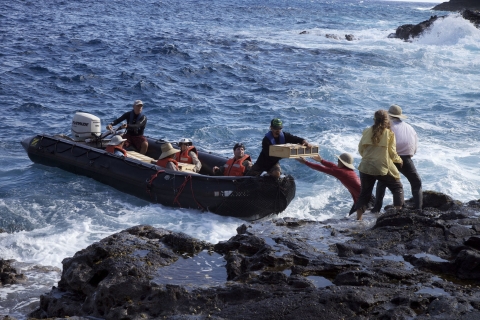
(343, 171)
(115, 146)
(275, 136)
(136, 123)
(188, 154)
(236, 166)
(167, 158)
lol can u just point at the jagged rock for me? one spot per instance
(272, 268)
(350, 37)
(8, 274)
(409, 31)
(458, 5)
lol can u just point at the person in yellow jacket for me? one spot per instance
(378, 150)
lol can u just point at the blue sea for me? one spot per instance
(217, 72)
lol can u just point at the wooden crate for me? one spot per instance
(290, 150)
(185, 167)
(139, 156)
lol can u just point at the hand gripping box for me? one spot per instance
(290, 150)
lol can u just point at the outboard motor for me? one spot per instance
(85, 125)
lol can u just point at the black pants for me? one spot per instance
(410, 172)
(368, 182)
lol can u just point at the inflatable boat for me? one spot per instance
(248, 198)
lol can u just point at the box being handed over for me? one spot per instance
(290, 150)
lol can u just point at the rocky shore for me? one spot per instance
(407, 264)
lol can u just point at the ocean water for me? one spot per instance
(217, 72)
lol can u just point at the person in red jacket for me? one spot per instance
(115, 146)
(188, 154)
(167, 158)
(343, 171)
(236, 166)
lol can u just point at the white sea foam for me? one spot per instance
(451, 30)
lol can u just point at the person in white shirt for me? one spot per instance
(407, 142)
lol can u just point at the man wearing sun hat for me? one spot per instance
(407, 142)
(115, 146)
(343, 171)
(275, 136)
(136, 123)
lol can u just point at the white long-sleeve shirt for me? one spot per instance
(406, 137)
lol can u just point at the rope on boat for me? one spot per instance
(150, 181)
(180, 190)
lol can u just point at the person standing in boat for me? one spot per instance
(115, 146)
(136, 123)
(167, 158)
(343, 171)
(379, 156)
(236, 166)
(188, 154)
(275, 136)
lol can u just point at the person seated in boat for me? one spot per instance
(343, 171)
(188, 154)
(236, 166)
(115, 146)
(136, 123)
(167, 158)
(275, 136)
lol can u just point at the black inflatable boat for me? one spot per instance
(248, 198)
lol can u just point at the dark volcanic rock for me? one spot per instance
(458, 5)
(8, 274)
(421, 264)
(409, 31)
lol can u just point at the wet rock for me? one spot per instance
(458, 5)
(410, 264)
(8, 274)
(473, 242)
(350, 37)
(409, 31)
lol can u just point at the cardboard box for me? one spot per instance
(290, 150)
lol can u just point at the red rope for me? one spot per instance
(153, 177)
(180, 190)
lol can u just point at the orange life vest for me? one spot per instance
(235, 167)
(184, 157)
(163, 162)
(112, 149)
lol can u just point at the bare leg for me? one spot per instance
(144, 147)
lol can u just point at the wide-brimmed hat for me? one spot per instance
(116, 140)
(347, 160)
(396, 111)
(137, 103)
(276, 124)
(167, 150)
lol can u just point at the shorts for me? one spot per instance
(135, 141)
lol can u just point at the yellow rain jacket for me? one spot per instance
(377, 160)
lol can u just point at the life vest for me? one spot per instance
(184, 157)
(235, 167)
(163, 162)
(270, 137)
(112, 149)
(134, 120)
